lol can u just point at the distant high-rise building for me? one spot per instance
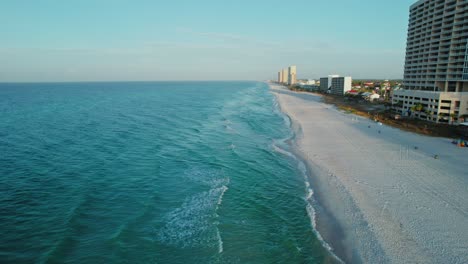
(326, 82)
(292, 75)
(436, 64)
(340, 85)
(335, 84)
(280, 76)
(285, 76)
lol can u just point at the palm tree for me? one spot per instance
(413, 110)
(452, 117)
(419, 108)
(428, 114)
(441, 115)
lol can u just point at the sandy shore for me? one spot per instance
(388, 198)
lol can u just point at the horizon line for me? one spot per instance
(220, 80)
(126, 81)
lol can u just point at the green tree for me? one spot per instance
(441, 116)
(413, 110)
(452, 117)
(419, 107)
(416, 109)
(428, 114)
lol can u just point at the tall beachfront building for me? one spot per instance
(285, 76)
(335, 84)
(436, 65)
(292, 75)
(326, 82)
(341, 85)
(280, 76)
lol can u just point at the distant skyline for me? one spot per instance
(146, 40)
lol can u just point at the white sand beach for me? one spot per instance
(391, 199)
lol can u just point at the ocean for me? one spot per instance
(151, 172)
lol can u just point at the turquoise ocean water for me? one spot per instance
(150, 172)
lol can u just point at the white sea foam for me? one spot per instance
(310, 192)
(220, 241)
(211, 177)
(282, 151)
(223, 190)
(313, 219)
(195, 223)
(188, 224)
(230, 129)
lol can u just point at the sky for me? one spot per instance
(144, 40)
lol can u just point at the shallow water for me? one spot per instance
(165, 172)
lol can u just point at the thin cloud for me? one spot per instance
(77, 50)
(186, 45)
(214, 35)
(227, 37)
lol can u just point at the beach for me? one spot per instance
(383, 195)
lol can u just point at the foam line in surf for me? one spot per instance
(223, 190)
(220, 241)
(313, 218)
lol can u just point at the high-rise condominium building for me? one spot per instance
(436, 65)
(340, 85)
(285, 76)
(326, 82)
(280, 76)
(292, 75)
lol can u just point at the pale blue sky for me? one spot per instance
(89, 40)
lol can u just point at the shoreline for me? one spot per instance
(328, 227)
(390, 209)
(321, 223)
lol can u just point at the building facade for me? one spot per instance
(324, 84)
(292, 75)
(443, 107)
(327, 82)
(285, 76)
(436, 64)
(280, 77)
(340, 85)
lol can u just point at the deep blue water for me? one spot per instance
(162, 172)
